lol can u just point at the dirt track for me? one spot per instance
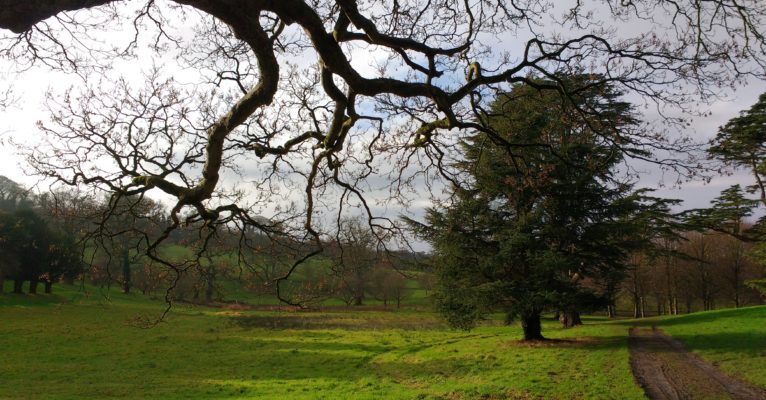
(667, 371)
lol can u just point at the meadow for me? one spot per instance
(87, 343)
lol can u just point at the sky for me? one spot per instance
(18, 125)
(698, 193)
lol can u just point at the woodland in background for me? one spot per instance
(59, 236)
(701, 270)
(276, 101)
(706, 270)
(274, 96)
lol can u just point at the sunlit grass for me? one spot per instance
(85, 342)
(90, 349)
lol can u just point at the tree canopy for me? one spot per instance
(313, 103)
(534, 226)
(741, 142)
(37, 240)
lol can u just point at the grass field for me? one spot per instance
(75, 345)
(87, 347)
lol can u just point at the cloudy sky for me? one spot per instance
(697, 193)
(18, 125)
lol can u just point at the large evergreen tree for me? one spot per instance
(27, 240)
(726, 214)
(35, 244)
(742, 143)
(540, 220)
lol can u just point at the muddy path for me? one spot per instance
(667, 371)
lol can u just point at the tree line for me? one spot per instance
(700, 272)
(37, 244)
(57, 236)
(61, 236)
(720, 259)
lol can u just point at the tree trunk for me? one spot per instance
(358, 288)
(33, 286)
(209, 292)
(126, 271)
(48, 287)
(570, 319)
(210, 282)
(531, 325)
(611, 313)
(2, 283)
(18, 284)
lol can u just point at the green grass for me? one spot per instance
(76, 294)
(84, 342)
(85, 347)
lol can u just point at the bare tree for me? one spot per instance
(13, 195)
(354, 258)
(311, 102)
(732, 264)
(700, 248)
(388, 284)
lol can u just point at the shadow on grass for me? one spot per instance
(583, 342)
(354, 322)
(375, 367)
(200, 356)
(321, 362)
(326, 345)
(31, 300)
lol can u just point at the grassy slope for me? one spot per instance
(85, 347)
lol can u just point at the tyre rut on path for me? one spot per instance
(667, 371)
